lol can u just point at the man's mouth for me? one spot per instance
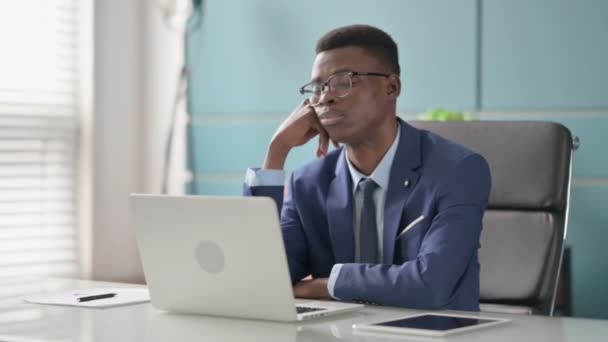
(330, 118)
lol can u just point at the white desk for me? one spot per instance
(30, 322)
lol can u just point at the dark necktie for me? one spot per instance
(368, 232)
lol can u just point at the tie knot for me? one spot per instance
(367, 185)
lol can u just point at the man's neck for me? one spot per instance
(367, 155)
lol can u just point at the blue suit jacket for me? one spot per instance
(433, 266)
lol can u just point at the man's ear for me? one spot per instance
(393, 86)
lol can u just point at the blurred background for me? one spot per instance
(101, 98)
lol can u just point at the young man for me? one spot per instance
(391, 217)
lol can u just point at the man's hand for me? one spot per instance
(312, 289)
(299, 127)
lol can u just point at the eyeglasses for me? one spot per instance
(338, 84)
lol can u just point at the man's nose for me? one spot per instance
(327, 97)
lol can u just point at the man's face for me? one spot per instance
(352, 119)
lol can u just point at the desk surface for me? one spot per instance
(30, 322)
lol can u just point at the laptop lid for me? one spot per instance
(214, 255)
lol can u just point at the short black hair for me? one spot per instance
(373, 40)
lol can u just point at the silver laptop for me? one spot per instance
(221, 256)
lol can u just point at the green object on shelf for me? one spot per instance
(445, 115)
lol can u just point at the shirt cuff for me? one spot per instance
(331, 282)
(262, 177)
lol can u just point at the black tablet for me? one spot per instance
(431, 324)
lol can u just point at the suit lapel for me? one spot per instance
(407, 159)
(340, 213)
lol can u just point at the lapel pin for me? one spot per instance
(406, 184)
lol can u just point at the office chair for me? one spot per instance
(525, 224)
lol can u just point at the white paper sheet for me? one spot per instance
(124, 296)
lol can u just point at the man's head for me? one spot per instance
(373, 41)
(355, 83)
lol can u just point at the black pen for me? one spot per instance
(95, 297)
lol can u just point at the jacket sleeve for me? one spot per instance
(429, 281)
(260, 182)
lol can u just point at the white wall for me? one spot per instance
(136, 64)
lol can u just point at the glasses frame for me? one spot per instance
(325, 85)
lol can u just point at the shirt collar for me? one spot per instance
(381, 173)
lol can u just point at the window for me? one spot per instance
(39, 123)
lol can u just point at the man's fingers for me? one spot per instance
(323, 144)
(301, 289)
(304, 103)
(312, 289)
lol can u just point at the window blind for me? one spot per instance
(38, 138)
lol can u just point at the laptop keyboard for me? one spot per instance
(305, 309)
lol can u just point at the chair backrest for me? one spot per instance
(524, 226)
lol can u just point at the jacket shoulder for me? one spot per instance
(441, 156)
(319, 171)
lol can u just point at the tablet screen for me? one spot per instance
(434, 322)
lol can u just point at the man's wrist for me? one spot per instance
(323, 293)
(275, 156)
